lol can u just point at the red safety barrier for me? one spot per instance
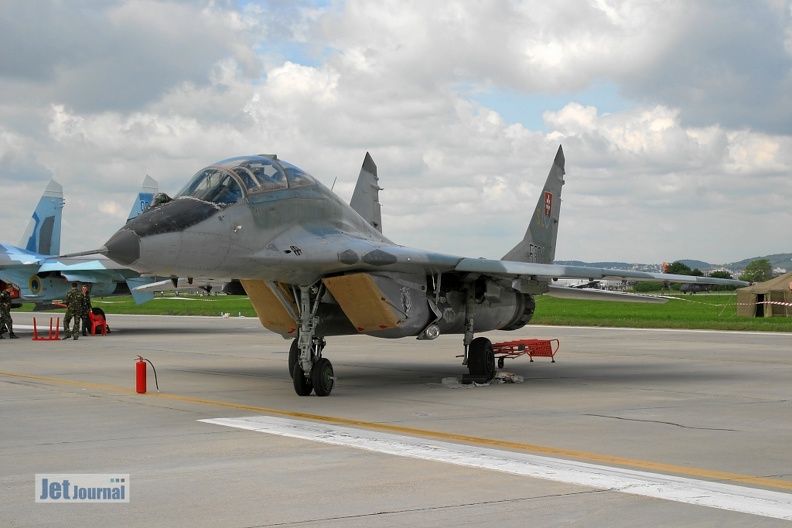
(54, 334)
(532, 347)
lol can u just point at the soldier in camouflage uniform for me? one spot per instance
(74, 306)
(3, 325)
(86, 309)
(6, 324)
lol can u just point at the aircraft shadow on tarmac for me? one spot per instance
(376, 377)
(177, 329)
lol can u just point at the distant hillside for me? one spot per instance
(700, 264)
(779, 260)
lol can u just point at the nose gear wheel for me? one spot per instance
(302, 385)
(322, 377)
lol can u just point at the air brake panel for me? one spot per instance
(269, 308)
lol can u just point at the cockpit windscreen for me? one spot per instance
(230, 180)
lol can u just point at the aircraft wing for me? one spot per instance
(181, 284)
(340, 252)
(101, 272)
(12, 256)
(505, 269)
(589, 294)
(95, 270)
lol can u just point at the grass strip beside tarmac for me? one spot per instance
(700, 311)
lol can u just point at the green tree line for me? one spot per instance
(757, 271)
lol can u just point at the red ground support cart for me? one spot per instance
(532, 347)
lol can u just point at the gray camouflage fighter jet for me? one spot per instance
(313, 267)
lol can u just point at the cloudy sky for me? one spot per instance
(675, 115)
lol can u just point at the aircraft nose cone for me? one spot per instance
(123, 247)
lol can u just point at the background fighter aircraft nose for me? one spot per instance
(123, 247)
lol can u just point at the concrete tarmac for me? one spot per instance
(704, 406)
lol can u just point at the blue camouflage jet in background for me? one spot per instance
(38, 276)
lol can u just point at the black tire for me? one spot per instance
(302, 385)
(294, 356)
(322, 377)
(481, 358)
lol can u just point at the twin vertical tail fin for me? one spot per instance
(43, 233)
(145, 197)
(539, 242)
(365, 199)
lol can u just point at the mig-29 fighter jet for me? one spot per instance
(313, 267)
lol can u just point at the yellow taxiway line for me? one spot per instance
(720, 476)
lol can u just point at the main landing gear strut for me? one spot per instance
(479, 353)
(310, 372)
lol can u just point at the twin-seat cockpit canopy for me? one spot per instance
(230, 180)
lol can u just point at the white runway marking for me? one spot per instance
(690, 491)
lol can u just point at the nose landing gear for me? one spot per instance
(310, 372)
(320, 380)
(322, 377)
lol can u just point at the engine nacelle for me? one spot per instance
(494, 308)
(399, 305)
(395, 305)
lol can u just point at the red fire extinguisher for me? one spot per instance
(140, 375)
